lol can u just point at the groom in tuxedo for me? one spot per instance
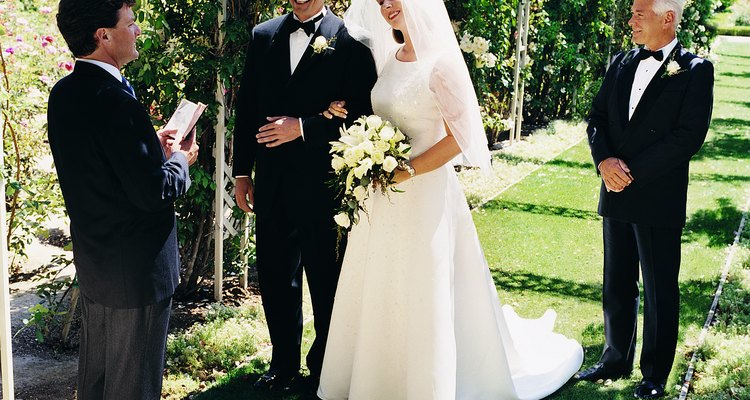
(296, 65)
(649, 118)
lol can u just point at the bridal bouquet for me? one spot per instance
(366, 155)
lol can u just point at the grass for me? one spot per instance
(542, 239)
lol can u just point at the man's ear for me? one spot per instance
(101, 35)
(669, 18)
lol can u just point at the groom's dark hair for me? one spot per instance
(398, 36)
(78, 21)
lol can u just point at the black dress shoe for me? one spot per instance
(600, 371)
(276, 379)
(649, 390)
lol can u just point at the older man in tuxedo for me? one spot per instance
(282, 164)
(649, 118)
(119, 182)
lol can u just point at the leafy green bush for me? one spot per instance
(32, 57)
(742, 20)
(724, 368)
(222, 343)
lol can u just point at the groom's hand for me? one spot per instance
(279, 130)
(243, 193)
(615, 174)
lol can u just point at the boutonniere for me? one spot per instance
(628, 57)
(673, 67)
(321, 44)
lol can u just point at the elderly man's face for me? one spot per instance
(648, 27)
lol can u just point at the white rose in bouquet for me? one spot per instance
(374, 122)
(389, 164)
(337, 163)
(387, 133)
(378, 157)
(360, 193)
(342, 220)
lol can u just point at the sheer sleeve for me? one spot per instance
(459, 107)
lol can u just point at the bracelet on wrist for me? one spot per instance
(406, 166)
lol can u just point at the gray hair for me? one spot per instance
(662, 6)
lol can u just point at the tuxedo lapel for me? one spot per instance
(278, 51)
(328, 29)
(625, 79)
(654, 88)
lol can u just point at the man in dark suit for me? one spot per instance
(649, 118)
(281, 137)
(119, 182)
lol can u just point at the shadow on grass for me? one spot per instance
(522, 281)
(737, 74)
(734, 145)
(513, 159)
(719, 178)
(717, 224)
(571, 164)
(741, 103)
(540, 209)
(238, 384)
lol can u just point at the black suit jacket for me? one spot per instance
(667, 128)
(268, 88)
(118, 188)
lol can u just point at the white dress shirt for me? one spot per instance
(644, 74)
(299, 40)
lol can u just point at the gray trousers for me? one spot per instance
(122, 351)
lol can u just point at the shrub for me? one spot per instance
(32, 57)
(222, 343)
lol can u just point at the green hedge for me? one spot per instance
(734, 31)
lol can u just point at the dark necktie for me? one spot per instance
(128, 87)
(644, 54)
(293, 25)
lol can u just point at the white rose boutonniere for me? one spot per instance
(673, 67)
(321, 44)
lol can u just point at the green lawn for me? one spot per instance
(542, 240)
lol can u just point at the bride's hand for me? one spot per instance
(336, 109)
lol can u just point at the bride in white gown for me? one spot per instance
(417, 315)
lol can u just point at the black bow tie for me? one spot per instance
(293, 25)
(644, 54)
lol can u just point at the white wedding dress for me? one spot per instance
(417, 315)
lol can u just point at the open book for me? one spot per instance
(184, 118)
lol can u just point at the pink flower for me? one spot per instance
(19, 38)
(51, 49)
(44, 44)
(45, 79)
(48, 39)
(45, 10)
(67, 65)
(10, 50)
